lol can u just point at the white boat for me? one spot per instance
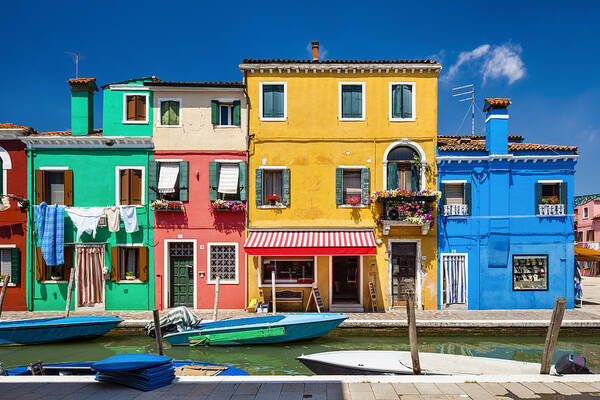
(373, 362)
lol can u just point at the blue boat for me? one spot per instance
(44, 330)
(258, 330)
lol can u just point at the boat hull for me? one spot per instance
(46, 330)
(296, 327)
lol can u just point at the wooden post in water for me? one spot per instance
(157, 332)
(273, 292)
(216, 308)
(4, 286)
(552, 335)
(412, 331)
(69, 290)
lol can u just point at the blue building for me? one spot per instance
(505, 226)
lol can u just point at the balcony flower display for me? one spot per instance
(550, 200)
(352, 200)
(167, 205)
(408, 211)
(425, 195)
(226, 205)
(273, 200)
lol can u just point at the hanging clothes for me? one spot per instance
(50, 224)
(129, 217)
(85, 219)
(112, 219)
(89, 274)
(5, 204)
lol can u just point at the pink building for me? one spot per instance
(199, 187)
(587, 228)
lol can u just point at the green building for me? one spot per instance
(98, 168)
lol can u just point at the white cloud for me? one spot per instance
(466, 56)
(322, 51)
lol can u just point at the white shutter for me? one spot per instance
(228, 178)
(167, 177)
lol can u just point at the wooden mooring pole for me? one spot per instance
(69, 291)
(552, 335)
(273, 291)
(412, 331)
(216, 308)
(157, 332)
(4, 286)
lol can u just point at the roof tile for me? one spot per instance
(97, 132)
(10, 125)
(462, 143)
(288, 61)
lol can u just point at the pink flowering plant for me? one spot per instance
(226, 205)
(166, 205)
(428, 195)
(352, 200)
(412, 207)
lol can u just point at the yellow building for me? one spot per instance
(324, 137)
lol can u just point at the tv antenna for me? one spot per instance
(469, 95)
(75, 57)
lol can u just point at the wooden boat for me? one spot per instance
(43, 330)
(258, 330)
(374, 362)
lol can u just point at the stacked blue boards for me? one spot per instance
(141, 371)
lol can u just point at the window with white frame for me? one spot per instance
(585, 212)
(229, 176)
(135, 108)
(5, 262)
(402, 101)
(225, 114)
(222, 262)
(292, 270)
(168, 180)
(273, 101)
(272, 185)
(170, 112)
(130, 186)
(352, 101)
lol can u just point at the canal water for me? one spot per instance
(280, 359)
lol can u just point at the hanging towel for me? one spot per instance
(85, 219)
(50, 223)
(112, 219)
(5, 203)
(129, 217)
(167, 177)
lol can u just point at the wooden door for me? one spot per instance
(403, 263)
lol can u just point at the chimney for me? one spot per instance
(82, 105)
(496, 125)
(315, 48)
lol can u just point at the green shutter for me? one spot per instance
(286, 191)
(357, 101)
(442, 198)
(339, 186)
(259, 187)
(236, 112)
(184, 178)
(174, 113)
(407, 101)
(415, 175)
(243, 181)
(468, 198)
(213, 180)
(15, 266)
(164, 113)
(153, 167)
(564, 197)
(538, 197)
(365, 185)
(214, 108)
(392, 178)
(396, 101)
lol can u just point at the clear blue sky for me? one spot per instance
(542, 55)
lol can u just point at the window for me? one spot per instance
(550, 191)
(170, 112)
(228, 180)
(168, 180)
(229, 175)
(288, 270)
(273, 101)
(5, 263)
(550, 198)
(352, 186)
(352, 101)
(456, 198)
(590, 235)
(223, 263)
(54, 186)
(273, 187)
(402, 101)
(580, 236)
(585, 212)
(61, 272)
(130, 187)
(402, 170)
(530, 272)
(136, 108)
(225, 112)
(129, 263)
(455, 193)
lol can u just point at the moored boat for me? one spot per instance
(258, 330)
(44, 330)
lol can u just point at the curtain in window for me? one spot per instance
(89, 272)
(455, 279)
(169, 113)
(168, 177)
(273, 101)
(228, 178)
(351, 101)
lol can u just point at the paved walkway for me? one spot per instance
(315, 388)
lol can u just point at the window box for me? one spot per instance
(224, 205)
(403, 208)
(455, 209)
(551, 210)
(166, 205)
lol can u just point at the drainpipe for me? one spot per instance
(247, 180)
(30, 242)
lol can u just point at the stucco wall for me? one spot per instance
(197, 131)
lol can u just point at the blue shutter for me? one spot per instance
(346, 102)
(286, 190)
(564, 197)
(415, 175)
(259, 187)
(392, 178)
(357, 101)
(407, 101)
(467, 198)
(278, 101)
(365, 186)
(538, 197)
(267, 101)
(339, 186)
(442, 198)
(397, 101)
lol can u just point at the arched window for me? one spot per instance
(402, 170)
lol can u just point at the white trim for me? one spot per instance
(496, 116)
(167, 270)
(441, 291)
(168, 159)
(125, 121)
(408, 143)
(237, 263)
(418, 268)
(118, 169)
(352, 166)
(229, 116)
(127, 87)
(8, 246)
(266, 207)
(286, 285)
(414, 104)
(361, 294)
(260, 100)
(272, 167)
(227, 161)
(159, 113)
(54, 168)
(454, 181)
(226, 99)
(364, 95)
(550, 181)
(4, 188)
(509, 157)
(130, 245)
(5, 156)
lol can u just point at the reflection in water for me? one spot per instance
(281, 359)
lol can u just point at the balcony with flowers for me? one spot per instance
(167, 205)
(227, 205)
(551, 207)
(405, 208)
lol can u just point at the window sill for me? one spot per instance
(223, 282)
(403, 119)
(9, 284)
(135, 122)
(351, 206)
(268, 207)
(226, 126)
(136, 281)
(168, 126)
(285, 285)
(266, 119)
(53, 282)
(351, 119)
(136, 205)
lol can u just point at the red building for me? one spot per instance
(13, 220)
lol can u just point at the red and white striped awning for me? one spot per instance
(287, 243)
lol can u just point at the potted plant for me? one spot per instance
(2, 277)
(550, 200)
(129, 276)
(273, 200)
(352, 200)
(55, 276)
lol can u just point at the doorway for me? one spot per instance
(89, 278)
(403, 264)
(345, 274)
(454, 279)
(181, 274)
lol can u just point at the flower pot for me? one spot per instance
(56, 278)
(130, 278)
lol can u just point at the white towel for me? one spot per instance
(85, 219)
(129, 217)
(228, 178)
(167, 177)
